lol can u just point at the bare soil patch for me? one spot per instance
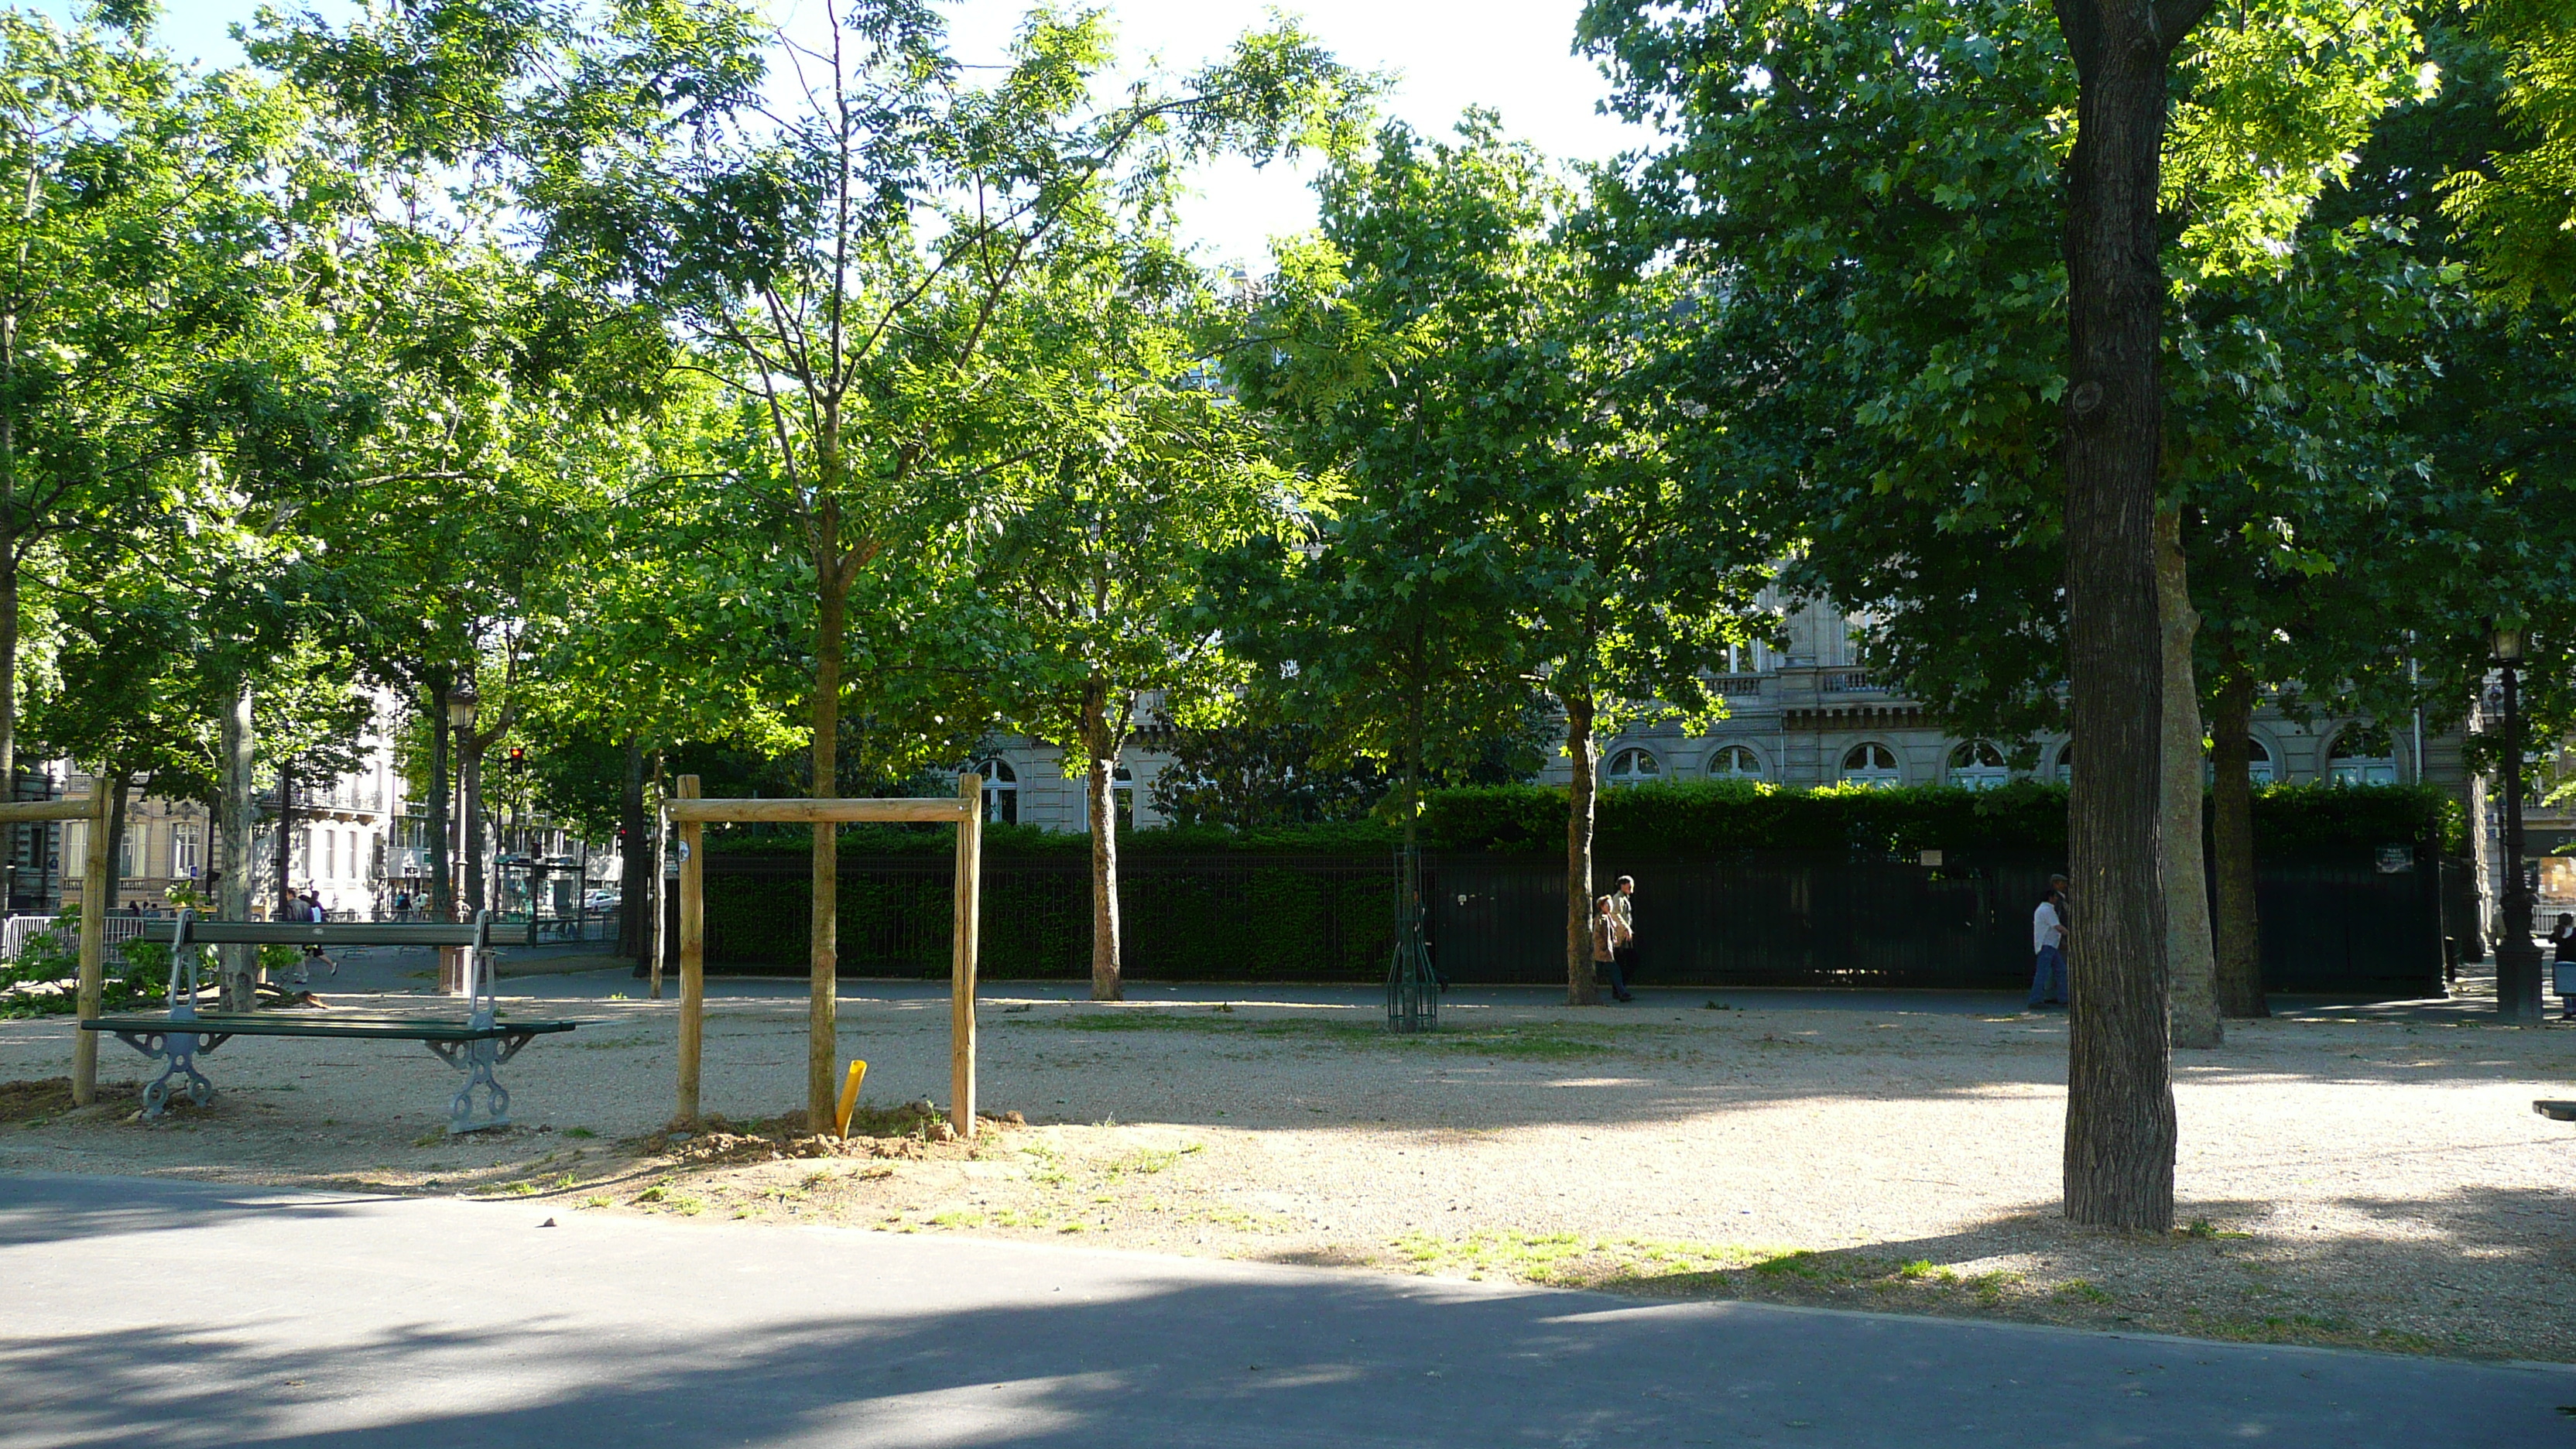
(2363, 1182)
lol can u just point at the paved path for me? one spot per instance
(150, 1311)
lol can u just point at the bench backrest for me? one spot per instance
(186, 930)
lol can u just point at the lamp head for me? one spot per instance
(460, 706)
(2509, 644)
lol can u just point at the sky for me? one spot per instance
(1510, 55)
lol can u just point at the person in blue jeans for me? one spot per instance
(2048, 947)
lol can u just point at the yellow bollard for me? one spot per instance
(850, 1094)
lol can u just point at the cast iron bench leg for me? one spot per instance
(177, 1051)
(476, 1059)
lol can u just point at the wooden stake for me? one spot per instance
(961, 988)
(93, 943)
(693, 958)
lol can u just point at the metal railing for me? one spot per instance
(19, 930)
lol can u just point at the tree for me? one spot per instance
(1913, 455)
(840, 261)
(1525, 398)
(1141, 471)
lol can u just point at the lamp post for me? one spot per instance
(2517, 960)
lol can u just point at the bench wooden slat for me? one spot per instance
(268, 1023)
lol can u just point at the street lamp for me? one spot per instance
(2517, 960)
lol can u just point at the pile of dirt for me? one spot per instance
(49, 1097)
(914, 1130)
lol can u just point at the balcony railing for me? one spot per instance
(1848, 681)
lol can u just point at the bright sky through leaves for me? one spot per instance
(1511, 55)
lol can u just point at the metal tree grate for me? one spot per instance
(1412, 988)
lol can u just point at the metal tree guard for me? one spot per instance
(1412, 990)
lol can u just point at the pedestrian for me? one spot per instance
(2563, 936)
(402, 905)
(1624, 906)
(313, 912)
(1605, 946)
(2048, 949)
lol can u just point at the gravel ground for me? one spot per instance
(2372, 1182)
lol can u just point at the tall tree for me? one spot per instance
(1142, 471)
(1527, 398)
(840, 256)
(1920, 459)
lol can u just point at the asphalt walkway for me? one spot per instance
(171, 1313)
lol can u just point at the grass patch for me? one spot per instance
(1147, 1161)
(2080, 1290)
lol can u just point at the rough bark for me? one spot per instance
(2120, 1130)
(238, 967)
(9, 701)
(634, 854)
(822, 1042)
(2231, 840)
(1100, 799)
(120, 796)
(285, 842)
(442, 881)
(469, 806)
(1585, 752)
(2194, 966)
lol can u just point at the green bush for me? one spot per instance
(1699, 817)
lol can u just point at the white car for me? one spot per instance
(601, 900)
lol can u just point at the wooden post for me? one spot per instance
(693, 958)
(100, 859)
(961, 981)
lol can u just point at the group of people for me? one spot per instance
(1614, 937)
(308, 907)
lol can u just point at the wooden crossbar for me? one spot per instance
(685, 811)
(965, 810)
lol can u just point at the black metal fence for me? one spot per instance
(2365, 924)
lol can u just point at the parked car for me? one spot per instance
(601, 900)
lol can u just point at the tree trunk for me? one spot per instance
(658, 943)
(1585, 751)
(239, 965)
(285, 841)
(822, 1024)
(633, 855)
(120, 794)
(2119, 1162)
(442, 881)
(469, 805)
(1108, 969)
(9, 710)
(2231, 808)
(2194, 969)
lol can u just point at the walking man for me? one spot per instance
(2048, 946)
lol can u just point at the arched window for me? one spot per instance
(1001, 790)
(1634, 767)
(1978, 765)
(1871, 764)
(2066, 765)
(2362, 756)
(1735, 762)
(2258, 762)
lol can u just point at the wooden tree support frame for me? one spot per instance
(691, 814)
(93, 922)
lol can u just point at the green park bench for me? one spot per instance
(474, 1045)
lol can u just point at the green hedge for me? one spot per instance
(1283, 922)
(1696, 816)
